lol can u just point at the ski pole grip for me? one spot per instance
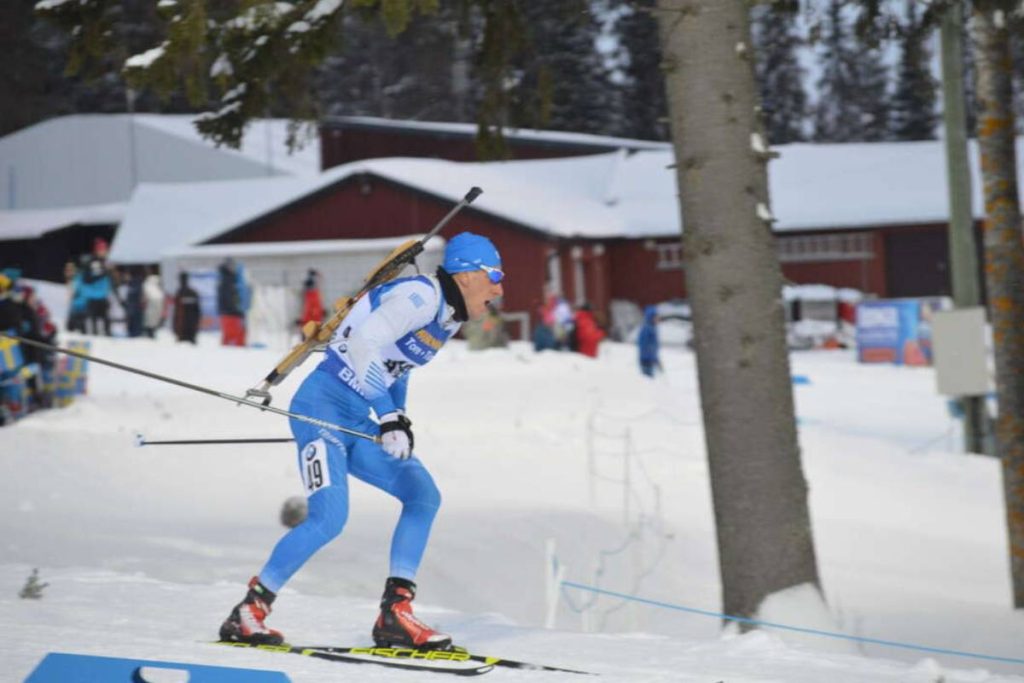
(473, 193)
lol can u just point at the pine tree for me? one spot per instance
(779, 74)
(645, 112)
(1004, 264)
(1017, 52)
(565, 82)
(733, 278)
(870, 96)
(913, 108)
(852, 102)
(835, 119)
(372, 73)
(27, 76)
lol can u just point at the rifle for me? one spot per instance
(316, 334)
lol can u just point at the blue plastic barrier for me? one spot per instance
(62, 667)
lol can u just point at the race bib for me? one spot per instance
(315, 473)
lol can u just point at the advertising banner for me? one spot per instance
(896, 330)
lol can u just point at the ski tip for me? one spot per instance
(140, 441)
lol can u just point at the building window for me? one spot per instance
(852, 246)
(670, 256)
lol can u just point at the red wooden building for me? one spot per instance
(601, 226)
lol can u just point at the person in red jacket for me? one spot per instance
(588, 334)
(312, 304)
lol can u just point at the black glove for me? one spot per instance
(396, 434)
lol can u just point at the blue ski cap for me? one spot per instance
(468, 251)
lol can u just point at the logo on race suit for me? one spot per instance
(348, 376)
(397, 368)
(429, 339)
(416, 351)
(309, 452)
(422, 345)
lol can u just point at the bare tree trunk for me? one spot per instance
(735, 282)
(1004, 268)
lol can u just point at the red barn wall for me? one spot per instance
(865, 274)
(367, 208)
(634, 273)
(595, 265)
(362, 207)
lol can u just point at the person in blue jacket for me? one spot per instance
(96, 287)
(647, 342)
(394, 328)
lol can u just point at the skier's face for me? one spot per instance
(477, 290)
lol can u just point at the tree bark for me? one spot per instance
(1004, 267)
(734, 281)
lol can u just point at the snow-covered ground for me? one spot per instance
(146, 549)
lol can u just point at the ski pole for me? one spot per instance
(194, 387)
(142, 441)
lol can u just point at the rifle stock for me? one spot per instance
(317, 335)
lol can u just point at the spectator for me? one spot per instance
(134, 303)
(229, 305)
(76, 299)
(487, 332)
(312, 304)
(10, 311)
(37, 326)
(244, 296)
(155, 307)
(588, 335)
(96, 286)
(647, 342)
(558, 316)
(543, 334)
(186, 310)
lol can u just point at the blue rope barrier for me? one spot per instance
(799, 629)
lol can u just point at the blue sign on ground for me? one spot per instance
(895, 331)
(62, 667)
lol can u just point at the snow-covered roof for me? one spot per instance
(602, 196)
(265, 142)
(470, 130)
(87, 159)
(166, 216)
(34, 223)
(163, 216)
(303, 247)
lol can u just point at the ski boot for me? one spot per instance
(398, 627)
(245, 623)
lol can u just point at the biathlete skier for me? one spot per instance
(394, 328)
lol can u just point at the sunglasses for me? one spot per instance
(495, 275)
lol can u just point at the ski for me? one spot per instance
(457, 661)
(437, 661)
(465, 655)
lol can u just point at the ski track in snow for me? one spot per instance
(146, 549)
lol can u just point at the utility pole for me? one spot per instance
(133, 163)
(963, 253)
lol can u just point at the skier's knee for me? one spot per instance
(429, 495)
(415, 485)
(328, 512)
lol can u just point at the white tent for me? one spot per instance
(89, 159)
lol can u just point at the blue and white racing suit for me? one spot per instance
(396, 327)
